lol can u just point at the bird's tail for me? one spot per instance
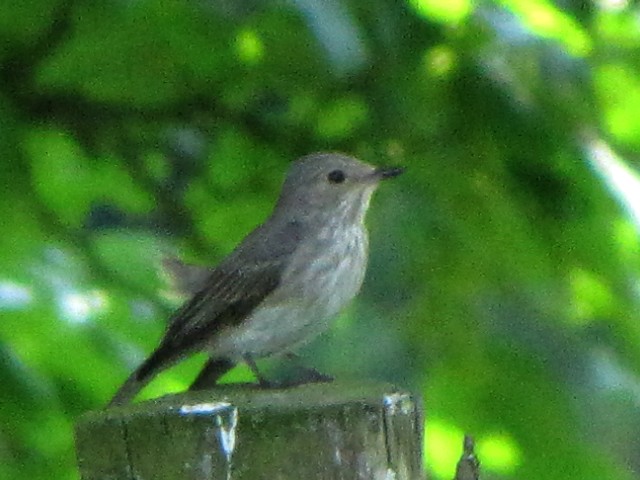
(213, 370)
(140, 377)
(130, 388)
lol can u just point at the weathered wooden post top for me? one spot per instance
(315, 431)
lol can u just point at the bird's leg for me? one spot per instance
(263, 382)
(302, 375)
(211, 373)
(306, 374)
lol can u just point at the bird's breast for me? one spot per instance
(327, 270)
(323, 275)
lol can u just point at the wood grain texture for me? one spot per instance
(315, 431)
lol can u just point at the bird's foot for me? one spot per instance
(262, 381)
(302, 374)
(309, 375)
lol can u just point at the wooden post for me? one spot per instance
(315, 431)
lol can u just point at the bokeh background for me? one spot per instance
(504, 273)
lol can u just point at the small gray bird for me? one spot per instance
(283, 283)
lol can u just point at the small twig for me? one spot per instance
(468, 466)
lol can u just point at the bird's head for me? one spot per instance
(331, 182)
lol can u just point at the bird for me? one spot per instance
(283, 283)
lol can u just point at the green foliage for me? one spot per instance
(504, 264)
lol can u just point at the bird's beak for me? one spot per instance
(388, 172)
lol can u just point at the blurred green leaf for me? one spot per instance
(503, 271)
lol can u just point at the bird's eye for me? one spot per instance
(336, 176)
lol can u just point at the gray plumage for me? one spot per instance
(284, 282)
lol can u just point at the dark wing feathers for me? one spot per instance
(227, 298)
(243, 279)
(223, 293)
(183, 278)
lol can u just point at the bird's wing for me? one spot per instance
(227, 298)
(182, 278)
(230, 293)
